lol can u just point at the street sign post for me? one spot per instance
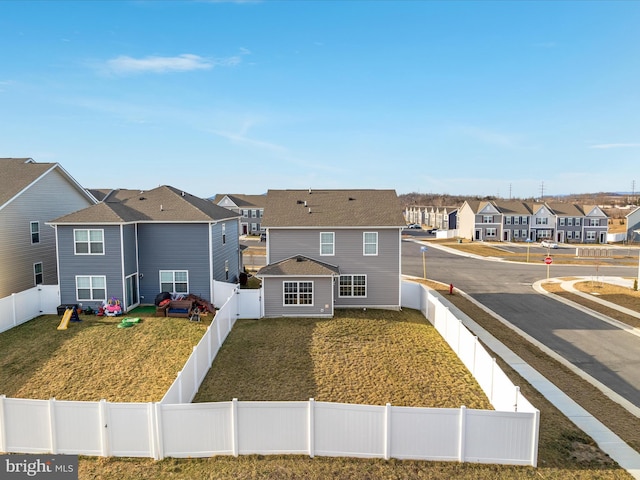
(528, 240)
(548, 261)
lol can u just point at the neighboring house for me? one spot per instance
(330, 249)
(134, 246)
(633, 226)
(443, 218)
(32, 194)
(595, 224)
(250, 207)
(517, 221)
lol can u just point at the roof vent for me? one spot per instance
(142, 198)
(161, 209)
(309, 209)
(299, 202)
(182, 193)
(351, 199)
(305, 203)
(299, 259)
(309, 190)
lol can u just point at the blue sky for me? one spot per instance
(474, 98)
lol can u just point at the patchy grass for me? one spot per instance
(624, 297)
(94, 360)
(371, 357)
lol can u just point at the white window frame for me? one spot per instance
(89, 242)
(36, 232)
(487, 219)
(92, 297)
(36, 273)
(590, 235)
(562, 221)
(370, 244)
(569, 221)
(490, 232)
(507, 220)
(524, 234)
(325, 243)
(174, 281)
(351, 286)
(516, 233)
(292, 298)
(245, 213)
(594, 222)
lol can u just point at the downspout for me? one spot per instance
(55, 228)
(123, 275)
(211, 280)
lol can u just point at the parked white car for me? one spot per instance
(548, 244)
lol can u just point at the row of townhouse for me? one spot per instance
(442, 218)
(518, 221)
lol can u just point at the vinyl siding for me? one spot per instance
(129, 240)
(109, 264)
(274, 298)
(52, 196)
(182, 246)
(230, 250)
(382, 270)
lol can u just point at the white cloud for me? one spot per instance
(615, 145)
(123, 64)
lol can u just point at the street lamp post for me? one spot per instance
(424, 263)
(638, 276)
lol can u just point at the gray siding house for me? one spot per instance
(250, 208)
(32, 194)
(132, 247)
(330, 249)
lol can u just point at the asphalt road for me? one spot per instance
(607, 353)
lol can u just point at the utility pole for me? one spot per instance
(542, 191)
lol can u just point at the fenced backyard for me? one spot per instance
(175, 428)
(22, 307)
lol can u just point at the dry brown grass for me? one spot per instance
(622, 296)
(94, 359)
(371, 357)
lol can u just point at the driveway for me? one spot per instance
(605, 352)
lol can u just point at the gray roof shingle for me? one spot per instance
(19, 173)
(298, 266)
(162, 204)
(332, 208)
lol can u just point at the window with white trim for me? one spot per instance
(245, 213)
(542, 221)
(353, 286)
(297, 293)
(174, 281)
(591, 235)
(490, 232)
(89, 241)
(91, 287)
(38, 275)
(517, 220)
(562, 221)
(487, 219)
(370, 243)
(569, 221)
(594, 222)
(516, 233)
(507, 220)
(524, 234)
(327, 243)
(35, 232)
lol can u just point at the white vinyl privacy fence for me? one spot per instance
(22, 307)
(172, 428)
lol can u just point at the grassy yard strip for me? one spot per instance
(371, 357)
(94, 360)
(619, 420)
(612, 293)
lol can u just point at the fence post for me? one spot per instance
(157, 407)
(104, 425)
(3, 433)
(387, 431)
(14, 313)
(234, 427)
(312, 427)
(462, 438)
(196, 373)
(534, 440)
(52, 426)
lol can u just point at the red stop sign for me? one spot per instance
(548, 260)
